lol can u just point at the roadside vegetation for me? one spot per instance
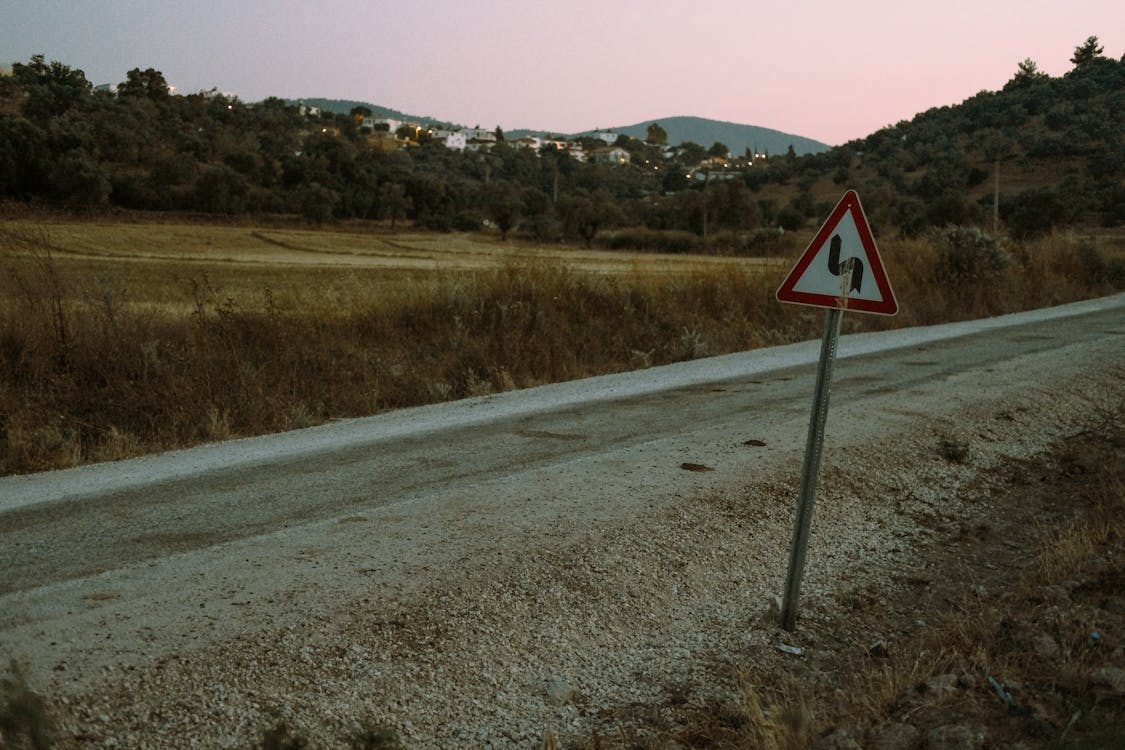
(103, 360)
(1020, 646)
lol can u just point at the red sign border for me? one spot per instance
(887, 306)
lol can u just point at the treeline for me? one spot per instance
(63, 143)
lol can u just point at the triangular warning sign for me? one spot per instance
(841, 267)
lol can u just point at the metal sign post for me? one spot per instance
(832, 273)
(813, 445)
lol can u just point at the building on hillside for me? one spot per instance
(481, 135)
(452, 139)
(527, 141)
(372, 124)
(607, 136)
(611, 155)
(479, 139)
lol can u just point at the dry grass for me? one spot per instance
(123, 339)
(1016, 659)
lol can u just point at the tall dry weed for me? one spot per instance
(94, 367)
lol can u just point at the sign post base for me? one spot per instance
(813, 446)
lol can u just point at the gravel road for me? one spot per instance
(472, 573)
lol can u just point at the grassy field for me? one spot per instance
(125, 337)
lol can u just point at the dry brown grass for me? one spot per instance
(1015, 658)
(118, 339)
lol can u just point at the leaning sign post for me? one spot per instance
(840, 270)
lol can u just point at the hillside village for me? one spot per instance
(387, 134)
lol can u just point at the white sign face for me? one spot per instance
(841, 267)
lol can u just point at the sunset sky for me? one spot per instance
(832, 71)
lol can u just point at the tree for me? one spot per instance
(317, 203)
(586, 214)
(1027, 72)
(78, 181)
(24, 153)
(691, 153)
(656, 135)
(503, 205)
(51, 89)
(1087, 53)
(146, 84)
(718, 149)
(221, 190)
(393, 201)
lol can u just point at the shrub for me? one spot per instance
(23, 713)
(1035, 212)
(666, 241)
(967, 253)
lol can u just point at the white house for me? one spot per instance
(528, 141)
(451, 139)
(612, 155)
(373, 123)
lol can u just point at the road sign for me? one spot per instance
(841, 267)
(841, 270)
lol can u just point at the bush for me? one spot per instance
(667, 241)
(467, 221)
(23, 713)
(1035, 213)
(967, 253)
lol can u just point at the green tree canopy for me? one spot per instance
(1086, 53)
(148, 84)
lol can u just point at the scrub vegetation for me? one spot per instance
(107, 353)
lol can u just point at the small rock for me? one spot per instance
(1108, 683)
(559, 692)
(943, 683)
(879, 649)
(895, 736)
(1055, 595)
(837, 739)
(772, 613)
(1045, 647)
(954, 737)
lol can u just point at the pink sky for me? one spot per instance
(832, 71)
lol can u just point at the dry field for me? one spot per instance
(125, 336)
(154, 263)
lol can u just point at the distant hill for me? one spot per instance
(699, 130)
(345, 106)
(736, 137)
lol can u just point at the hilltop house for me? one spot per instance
(611, 155)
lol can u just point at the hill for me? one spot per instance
(1043, 152)
(738, 138)
(345, 106)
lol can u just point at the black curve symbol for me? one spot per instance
(851, 265)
